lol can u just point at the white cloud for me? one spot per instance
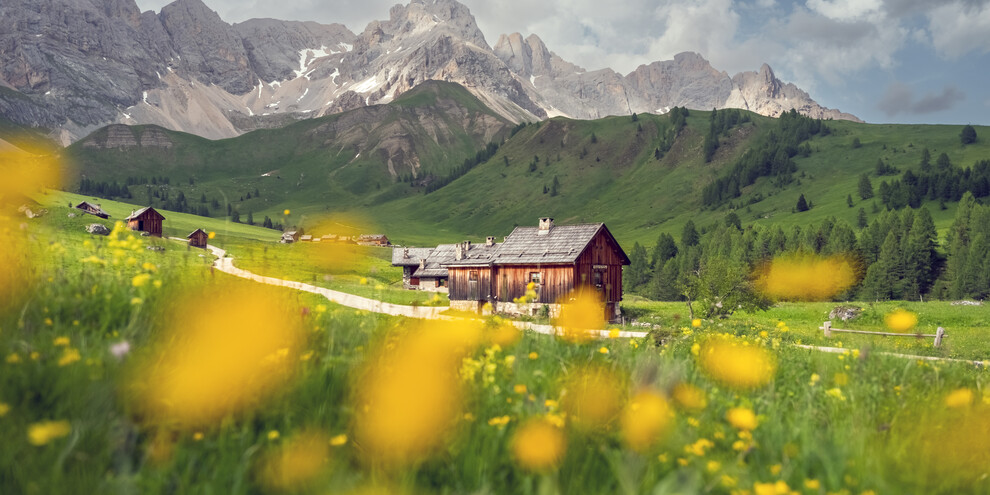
(844, 10)
(958, 29)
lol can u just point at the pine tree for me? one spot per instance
(638, 272)
(861, 220)
(689, 236)
(968, 135)
(926, 160)
(865, 187)
(665, 249)
(802, 204)
(849, 200)
(250, 219)
(554, 186)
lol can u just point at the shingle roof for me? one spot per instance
(562, 244)
(441, 254)
(96, 210)
(194, 233)
(142, 212)
(476, 254)
(401, 258)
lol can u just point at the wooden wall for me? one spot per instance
(511, 281)
(601, 253)
(461, 288)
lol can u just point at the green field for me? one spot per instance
(72, 419)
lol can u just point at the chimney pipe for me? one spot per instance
(459, 252)
(490, 241)
(422, 263)
(405, 253)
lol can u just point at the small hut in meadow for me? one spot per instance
(92, 209)
(198, 238)
(146, 219)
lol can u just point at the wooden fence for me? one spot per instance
(938, 336)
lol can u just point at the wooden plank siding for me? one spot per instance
(462, 288)
(600, 255)
(556, 282)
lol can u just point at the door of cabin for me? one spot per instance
(473, 293)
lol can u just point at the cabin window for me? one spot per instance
(597, 278)
(473, 276)
(535, 277)
(441, 282)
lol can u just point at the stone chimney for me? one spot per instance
(405, 253)
(458, 252)
(490, 241)
(546, 225)
(422, 263)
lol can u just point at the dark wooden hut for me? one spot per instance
(146, 219)
(92, 209)
(198, 238)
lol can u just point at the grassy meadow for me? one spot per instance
(125, 369)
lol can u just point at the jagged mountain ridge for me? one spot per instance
(76, 65)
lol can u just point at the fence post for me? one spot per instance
(828, 329)
(938, 336)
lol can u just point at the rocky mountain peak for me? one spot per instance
(419, 16)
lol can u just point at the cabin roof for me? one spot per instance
(562, 244)
(201, 231)
(475, 255)
(438, 256)
(411, 258)
(86, 205)
(143, 211)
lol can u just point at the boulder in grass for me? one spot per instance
(97, 229)
(845, 313)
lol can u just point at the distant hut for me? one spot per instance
(92, 209)
(373, 240)
(198, 238)
(290, 236)
(410, 259)
(306, 238)
(146, 219)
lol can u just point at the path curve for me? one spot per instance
(226, 265)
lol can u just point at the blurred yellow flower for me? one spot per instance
(778, 488)
(234, 346)
(519, 388)
(211, 235)
(603, 350)
(713, 466)
(297, 463)
(338, 440)
(69, 356)
(689, 397)
(583, 314)
(410, 393)
(962, 397)
(812, 484)
(775, 469)
(594, 396)
(742, 418)
(61, 341)
(840, 379)
(13, 358)
(900, 320)
(613, 333)
(539, 446)
(645, 419)
(136, 301)
(44, 432)
(699, 447)
(4, 409)
(140, 280)
(286, 212)
(504, 335)
(805, 277)
(197, 436)
(533, 355)
(815, 378)
(835, 393)
(696, 323)
(273, 435)
(736, 363)
(499, 421)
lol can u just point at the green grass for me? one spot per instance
(863, 424)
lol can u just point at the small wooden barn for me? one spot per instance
(556, 259)
(373, 240)
(290, 236)
(431, 273)
(146, 219)
(92, 209)
(198, 238)
(410, 259)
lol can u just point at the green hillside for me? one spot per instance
(642, 176)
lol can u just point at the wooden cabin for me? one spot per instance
(198, 238)
(146, 219)
(557, 259)
(373, 240)
(431, 273)
(410, 259)
(92, 209)
(290, 236)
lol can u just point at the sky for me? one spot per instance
(885, 61)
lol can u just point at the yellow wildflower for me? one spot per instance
(136, 301)
(539, 446)
(713, 466)
(699, 447)
(211, 235)
(499, 421)
(646, 418)
(742, 418)
(962, 397)
(835, 393)
(533, 355)
(4, 409)
(900, 320)
(338, 440)
(286, 212)
(519, 388)
(603, 350)
(804, 277)
(44, 432)
(775, 469)
(841, 379)
(273, 435)
(733, 362)
(814, 379)
(696, 322)
(140, 279)
(61, 341)
(812, 484)
(69, 356)
(690, 397)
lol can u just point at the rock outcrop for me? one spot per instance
(73, 66)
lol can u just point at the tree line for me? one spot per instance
(897, 256)
(770, 156)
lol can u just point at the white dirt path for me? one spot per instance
(226, 265)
